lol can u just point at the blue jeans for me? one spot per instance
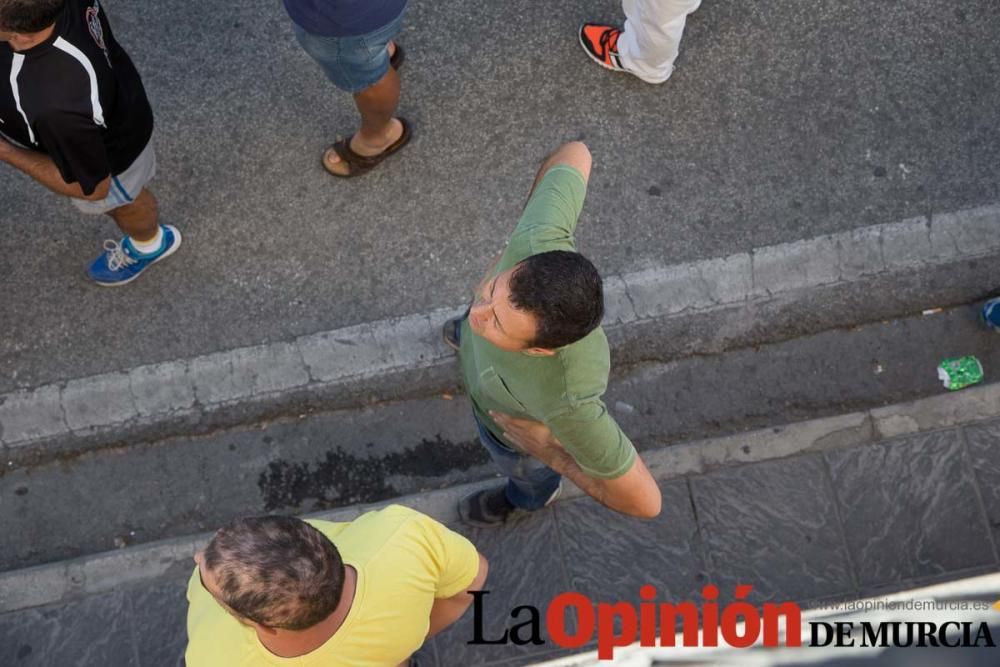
(530, 483)
(352, 63)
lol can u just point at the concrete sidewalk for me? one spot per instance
(839, 508)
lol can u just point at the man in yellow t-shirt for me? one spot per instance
(281, 591)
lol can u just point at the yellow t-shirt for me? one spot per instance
(404, 561)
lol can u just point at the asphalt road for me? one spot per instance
(784, 120)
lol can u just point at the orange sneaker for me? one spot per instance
(601, 43)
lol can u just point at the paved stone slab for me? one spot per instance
(328, 354)
(773, 525)
(33, 414)
(161, 389)
(665, 552)
(860, 253)
(984, 454)
(684, 283)
(618, 306)
(907, 243)
(540, 658)
(416, 339)
(526, 564)
(139, 566)
(761, 445)
(99, 401)
(798, 265)
(428, 655)
(610, 557)
(159, 615)
(277, 367)
(942, 234)
(38, 586)
(971, 232)
(728, 279)
(910, 508)
(92, 633)
(980, 402)
(214, 381)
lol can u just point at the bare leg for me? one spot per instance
(139, 219)
(377, 105)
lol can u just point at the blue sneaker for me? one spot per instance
(121, 263)
(991, 314)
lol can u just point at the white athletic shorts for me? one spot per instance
(126, 186)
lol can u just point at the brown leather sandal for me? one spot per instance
(361, 164)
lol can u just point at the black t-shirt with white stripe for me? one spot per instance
(76, 97)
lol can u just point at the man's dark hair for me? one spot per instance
(28, 16)
(564, 292)
(276, 570)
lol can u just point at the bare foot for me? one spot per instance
(338, 166)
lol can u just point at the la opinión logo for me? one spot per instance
(738, 624)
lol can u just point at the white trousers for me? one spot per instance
(652, 37)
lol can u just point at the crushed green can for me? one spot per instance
(960, 372)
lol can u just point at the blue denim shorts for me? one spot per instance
(530, 483)
(352, 63)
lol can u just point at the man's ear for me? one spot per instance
(262, 629)
(540, 352)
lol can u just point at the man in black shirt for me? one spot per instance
(74, 116)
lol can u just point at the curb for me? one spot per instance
(344, 367)
(103, 572)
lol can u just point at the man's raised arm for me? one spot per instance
(573, 154)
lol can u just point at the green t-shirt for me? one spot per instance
(563, 391)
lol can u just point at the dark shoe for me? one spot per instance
(362, 164)
(485, 509)
(450, 332)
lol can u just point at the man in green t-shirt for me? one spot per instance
(535, 363)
